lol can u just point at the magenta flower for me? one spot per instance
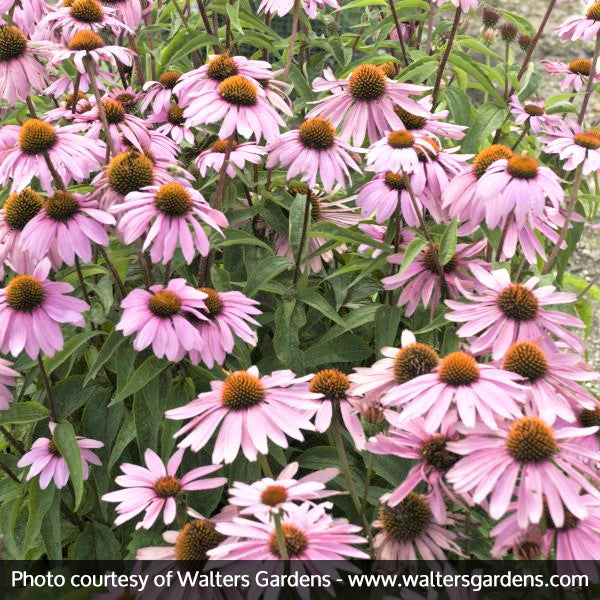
(313, 149)
(240, 104)
(581, 27)
(458, 381)
(533, 114)
(22, 152)
(270, 495)
(399, 152)
(422, 281)
(538, 462)
(365, 103)
(20, 72)
(250, 410)
(155, 489)
(65, 228)
(173, 124)
(410, 530)
(47, 462)
(283, 7)
(167, 212)
(158, 93)
(505, 312)
(159, 317)
(240, 154)
(575, 73)
(7, 379)
(31, 309)
(432, 125)
(309, 534)
(228, 315)
(579, 147)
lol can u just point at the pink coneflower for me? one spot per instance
(579, 147)
(214, 156)
(155, 489)
(240, 104)
(65, 21)
(465, 5)
(313, 149)
(173, 124)
(505, 312)
(276, 92)
(576, 539)
(533, 115)
(158, 317)
(65, 111)
(521, 185)
(64, 84)
(22, 151)
(20, 72)
(365, 103)
(550, 463)
(552, 380)
(581, 27)
(218, 68)
(31, 309)
(250, 410)
(7, 379)
(377, 234)
(399, 152)
(25, 13)
(158, 93)
(309, 534)
(47, 462)
(422, 280)
(167, 212)
(575, 73)
(228, 315)
(65, 228)
(410, 530)
(474, 389)
(412, 441)
(270, 495)
(283, 7)
(129, 12)
(432, 124)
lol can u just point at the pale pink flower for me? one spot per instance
(432, 124)
(25, 13)
(154, 489)
(64, 84)
(577, 146)
(377, 234)
(47, 462)
(159, 93)
(283, 7)
(130, 12)
(213, 157)
(399, 152)
(167, 213)
(277, 93)
(575, 73)
(527, 457)
(250, 411)
(65, 110)
(31, 310)
(533, 114)
(502, 313)
(579, 27)
(173, 124)
(7, 379)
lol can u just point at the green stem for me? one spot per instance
(265, 466)
(48, 388)
(506, 55)
(113, 271)
(295, 18)
(368, 478)
(440, 74)
(523, 134)
(302, 237)
(280, 537)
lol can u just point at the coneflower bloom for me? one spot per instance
(47, 462)
(313, 150)
(242, 106)
(410, 440)
(154, 489)
(552, 380)
(575, 73)
(173, 124)
(520, 185)
(410, 531)
(228, 316)
(65, 228)
(167, 212)
(158, 93)
(577, 146)
(502, 313)
(365, 102)
(547, 462)
(65, 111)
(432, 124)
(129, 12)
(532, 114)
(398, 152)
(576, 539)
(65, 21)
(399, 366)
(7, 379)
(64, 84)
(26, 14)
(581, 27)
(276, 92)
(17, 58)
(159, 318)
(309, 534)
(213, 157)
(377, 234)
(248, 410)
(270, 495)
(31, 310)
(458, 381)
(283, 7)
(22, 151)
(423, 282)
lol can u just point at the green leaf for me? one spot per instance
(71, 345)
(70, 394)
(152, 367)
(329, 230)
(579, 284)
(387, 321)
(488, 118)
(412, 251)
(125, 436)
(113, 341)
(347, 348)
(235, 237)
(51, 529)
(267, 269)
(39, 504)
(466, 63)
(24, 412)
(296, 223)
(448, 242)
(459, 104)
(290, 317)
(319, 303)
(436, 323)
(97, 542)
(66, 441)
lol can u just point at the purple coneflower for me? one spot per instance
(579, 147)
(431, 125)
(398, 152)
(505, 312)
(155, 488)
(129, 12)
(283, 7)
(250, 411)
(7, 379)
(26, 14)
(173, 124)
(31, 310)
(575, 73)
(533, 114)
(158, 317)
(47, 462)
(214, 156)
(65, 111)
(581, 27)
(158, 93)
(377, 234)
